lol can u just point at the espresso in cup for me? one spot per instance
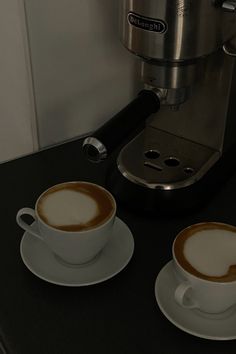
(77, 206)
(208, 251)
(205, 266)
(74, 219)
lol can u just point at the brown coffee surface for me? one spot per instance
(105, 205)
(184, 235)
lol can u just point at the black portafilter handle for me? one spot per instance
(108, 137)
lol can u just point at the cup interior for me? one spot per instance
(205, 251)
(75, 206)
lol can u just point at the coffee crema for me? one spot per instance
(208, 251)
(75, 206)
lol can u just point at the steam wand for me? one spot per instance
(98, 146)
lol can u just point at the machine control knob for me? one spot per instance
(229, 5)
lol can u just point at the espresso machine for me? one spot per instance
(185, 109)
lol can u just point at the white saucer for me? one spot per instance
(114, 257)
(214, 327)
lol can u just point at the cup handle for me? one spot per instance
(24, 225)
(181, 297)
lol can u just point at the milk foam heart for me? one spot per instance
(68, 207)
(207, 250)
(75, 206)
(211, 252)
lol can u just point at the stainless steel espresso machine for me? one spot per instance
(187, 65)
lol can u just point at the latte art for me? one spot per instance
(75, 206)
(68, 207)
(208, 251)
(211, 252)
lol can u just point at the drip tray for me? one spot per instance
(157, 159)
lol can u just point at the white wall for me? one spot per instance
(82, 74)
(63, 71)
(18, 134)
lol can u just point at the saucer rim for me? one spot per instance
(79, 284)
(169, 267)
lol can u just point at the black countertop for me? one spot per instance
(118, 316)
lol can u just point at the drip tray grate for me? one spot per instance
(157, 159)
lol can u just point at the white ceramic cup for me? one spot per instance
(74, 247)
(193, 292)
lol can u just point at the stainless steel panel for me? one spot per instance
(159, 160)
(195, 28)
(202, 118)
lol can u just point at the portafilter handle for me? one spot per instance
(98, 146)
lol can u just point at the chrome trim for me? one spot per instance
(229, 5)
(98, 146)
(229, 51)
(194, 160)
